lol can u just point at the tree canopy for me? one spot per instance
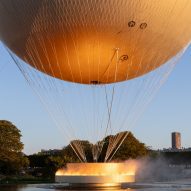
(47, 165)
(131, 148)
(11, 156)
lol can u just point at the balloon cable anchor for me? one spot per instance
(95, 82)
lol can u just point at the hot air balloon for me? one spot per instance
(83, 41)
(94, 44)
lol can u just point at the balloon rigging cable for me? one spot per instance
(102, 105)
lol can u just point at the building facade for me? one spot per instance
(176, 140)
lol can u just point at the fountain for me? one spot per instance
(96, 175)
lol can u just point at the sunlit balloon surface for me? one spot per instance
(95, 41)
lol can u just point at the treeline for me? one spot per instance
(14, 162)
(176, 158)
(45, 165)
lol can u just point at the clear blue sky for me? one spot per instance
(169, 111)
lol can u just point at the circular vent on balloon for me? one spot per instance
(143, 25)
(131, 23)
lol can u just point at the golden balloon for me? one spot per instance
(95, 41)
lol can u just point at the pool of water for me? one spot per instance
(48, 187)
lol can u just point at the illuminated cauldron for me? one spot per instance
(96, 174)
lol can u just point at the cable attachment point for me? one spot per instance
(124, 57)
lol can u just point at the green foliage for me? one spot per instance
(153, 154)
(11, 157)
(131, 148)
(54, 163)
(44, 165)
(37, 160)
(177, 158)
(68, 152)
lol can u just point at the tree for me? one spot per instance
(11, 156)
(47, 165)
(54, 163)
(131, 148)
(69, 153)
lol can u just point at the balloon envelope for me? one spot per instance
(95, 41)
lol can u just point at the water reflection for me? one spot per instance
(47, 188)
(41, 188)
(23, 188)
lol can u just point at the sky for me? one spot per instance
(169, 111)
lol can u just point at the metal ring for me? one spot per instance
(131, 23)
(124, 57)
(143, 25)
